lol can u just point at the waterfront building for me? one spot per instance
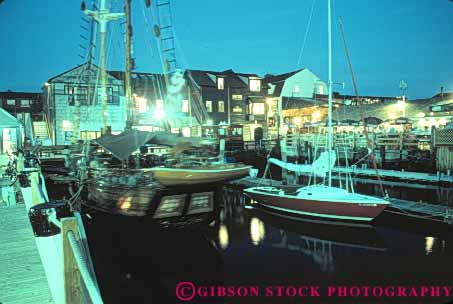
(73, 107)
(228, 98)
(300, 97)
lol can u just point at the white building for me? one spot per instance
(73, 106)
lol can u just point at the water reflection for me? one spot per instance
(257, 231)
(223, 236)
(429, 243)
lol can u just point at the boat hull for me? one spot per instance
(331, 210)
(198, 175)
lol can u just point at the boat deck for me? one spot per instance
(22, 276)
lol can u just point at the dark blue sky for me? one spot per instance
(388, 40)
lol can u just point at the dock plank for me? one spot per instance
(22, 279)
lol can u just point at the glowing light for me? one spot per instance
(67, 125)
(159, 114)
(429, 243)
(315, 116)
(443, 121)
(432, 122)
(297, 121)
(186, 132)
(209, 122)
(223, 236)
(257, 231)
(269, 101)
(400, 105)
(46, 84)
(421, 115)
(124, 203)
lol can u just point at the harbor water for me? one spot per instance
(138, 260)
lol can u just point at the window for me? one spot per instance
(185, 106)
(209, 105)
(237, 109)
(141, 104)
(220, 83)
(255, 85)
(321, 90)
(221, 106)
(25, 103)
(68, 90)
(236, 97)
(296, 89)
(11, 102)
(257, 108)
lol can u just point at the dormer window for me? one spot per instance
(220, 83)
(255, 84)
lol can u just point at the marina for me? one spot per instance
(133, 175)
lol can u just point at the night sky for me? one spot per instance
(388, 40)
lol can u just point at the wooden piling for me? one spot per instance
(72, 282)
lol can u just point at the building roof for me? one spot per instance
(7, 120)
(232, 79)
(10, 94)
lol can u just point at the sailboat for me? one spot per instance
(319, 201)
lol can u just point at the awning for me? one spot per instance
(349, 122)
(124, 144)
(373, 121)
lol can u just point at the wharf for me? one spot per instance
(22, 276)
(437, 213)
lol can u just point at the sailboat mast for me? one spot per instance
(127, 80)
(329, 113)
(102, 17)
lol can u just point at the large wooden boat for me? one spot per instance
(202, 174)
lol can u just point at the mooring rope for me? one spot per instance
(90, 285)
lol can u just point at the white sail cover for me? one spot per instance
(320, 166)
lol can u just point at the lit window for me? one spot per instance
(185, 106)
(296, 89)
(220, 83)
(237, 109)
(258, 108)
(209, 105)
(11, 102)
(159, 104)
(321, 90)
(141, 104)
(255, 85)
(221, 106)
(25, 103)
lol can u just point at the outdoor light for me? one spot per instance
(316, 115)
(421, 115)
(47, 84)
(209, 122)
(297, 120)
(269, 101)
(159, 114)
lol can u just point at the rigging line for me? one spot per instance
(362, 116)
(306, 34)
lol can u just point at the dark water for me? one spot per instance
(140, 261)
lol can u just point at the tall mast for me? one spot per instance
(329, 123)
(127, 80)
(103, 16)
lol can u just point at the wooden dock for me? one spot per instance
(22, 276)
(437, 213)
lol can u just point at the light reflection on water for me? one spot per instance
(252, 247)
